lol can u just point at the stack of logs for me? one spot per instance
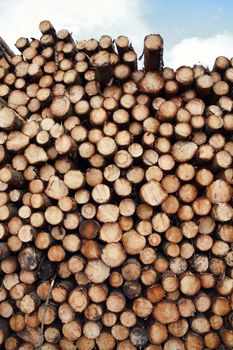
(115, 198)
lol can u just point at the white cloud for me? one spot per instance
(200, 51)
(85, 18)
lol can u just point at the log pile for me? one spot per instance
(115, 198)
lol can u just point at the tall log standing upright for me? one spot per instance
(153, 52)
(115, 197)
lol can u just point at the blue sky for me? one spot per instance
(181, 19)
(193, 31)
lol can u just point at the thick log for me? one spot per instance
(151, 83)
